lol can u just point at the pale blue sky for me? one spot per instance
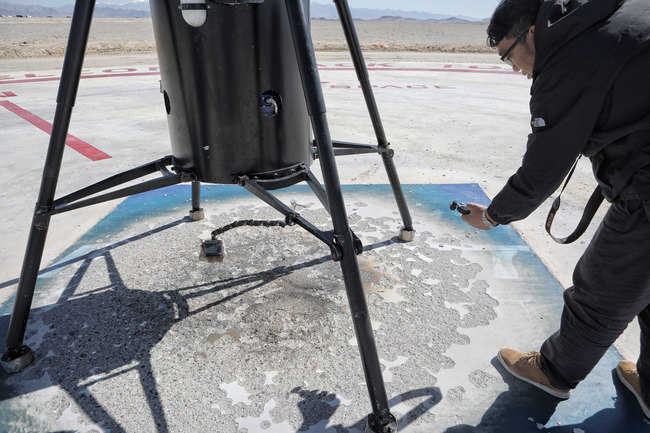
(470, 8)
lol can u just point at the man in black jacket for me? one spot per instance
(590, 65)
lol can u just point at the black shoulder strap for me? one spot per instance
(590, 210)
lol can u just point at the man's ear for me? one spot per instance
(532, 29)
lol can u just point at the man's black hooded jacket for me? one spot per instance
(590, 95)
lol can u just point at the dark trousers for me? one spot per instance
(611, 286)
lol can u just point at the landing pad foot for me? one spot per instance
(16, 360)
(407, 235)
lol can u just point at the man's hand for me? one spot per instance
(475, 217)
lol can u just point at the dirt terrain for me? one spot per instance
(44, 37)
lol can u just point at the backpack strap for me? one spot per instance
(587, 215)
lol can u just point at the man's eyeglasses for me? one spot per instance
(504, 57)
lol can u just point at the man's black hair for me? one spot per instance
(511, 18)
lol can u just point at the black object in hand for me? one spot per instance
(460, 207)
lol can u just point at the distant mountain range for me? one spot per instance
(55, 8)
(328, 12)
(135, 9)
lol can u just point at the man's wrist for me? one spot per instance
(487, 220)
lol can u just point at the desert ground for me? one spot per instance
(45, 37)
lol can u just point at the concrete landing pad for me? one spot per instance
(132, 333)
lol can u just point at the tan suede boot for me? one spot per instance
(629, 375)
(527, 367)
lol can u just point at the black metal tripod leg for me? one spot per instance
(196, 214)
(18, 356)
(325, 237)
(381, 418)
(407, 233)
(317, 189)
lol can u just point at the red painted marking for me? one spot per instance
(83, 77)
(6, 79)
(80, 146)
(38, 76)
(470, 71)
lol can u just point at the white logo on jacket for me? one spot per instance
(538, 122)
